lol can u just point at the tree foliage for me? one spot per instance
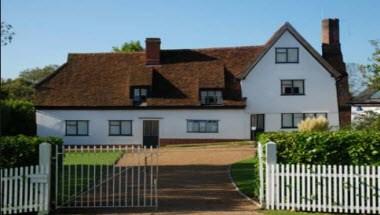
(7, 33)
(23, 86)
(370, 120)
(17, 117)
(131, 46)
(372, 71)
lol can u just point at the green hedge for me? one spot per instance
(22, 150)
(336, 147)
(17, 117)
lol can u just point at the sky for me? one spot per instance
(47, 30)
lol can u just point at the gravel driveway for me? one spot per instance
(195, 180)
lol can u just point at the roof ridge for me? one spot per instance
(217, 48)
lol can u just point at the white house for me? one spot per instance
(195, 95)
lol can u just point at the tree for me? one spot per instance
(23, 86)
(131, 46)
(7, 33)
(17, 117)
(372, 70)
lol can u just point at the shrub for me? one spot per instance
(17, 117)
(337, 147)
(22, 150)
(314, 124)
(370, 120)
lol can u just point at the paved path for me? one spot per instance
(195, 180)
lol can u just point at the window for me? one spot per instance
(291, 120)
(292, 87)
(211, 97)
(202, 126)
(120, 128)
(139, 95)
(258, 121)
(287, 55)
(76, 127)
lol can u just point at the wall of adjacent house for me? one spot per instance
(233, 124)
(262, 87)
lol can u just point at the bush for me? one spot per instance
(314, 124)
(370, 120)
(22, 150)
(17, 117)
(338, 147)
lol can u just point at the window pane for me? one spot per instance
(298, 87)
(280, 57)
(136, 92)
(114, 122)
(82, 127)
(309, 115)
(260, 121)
(298, 117)
(287, 120)
(126, 127)
(143, 92)
(322, 114)
(286, 86)
(114, 130)
(292, 55)
(212, 126)
(202, 126)
(71, 129)
(203, 97)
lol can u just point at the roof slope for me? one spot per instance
(105, 79)
(368, 96)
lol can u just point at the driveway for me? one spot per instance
(195, 180)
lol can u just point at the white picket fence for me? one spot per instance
(322, 188)
(27, 189)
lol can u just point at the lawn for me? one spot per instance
(84, 169)
(91, 158)
(245, 175)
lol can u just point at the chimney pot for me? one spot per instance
(152, 51)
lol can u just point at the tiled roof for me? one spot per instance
(105, 79)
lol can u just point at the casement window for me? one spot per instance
(202, 126)
(292, 87)
(77, 127)
(291, 120)
(287, 55)
(139, 95)
(120, 128)
(211, 97)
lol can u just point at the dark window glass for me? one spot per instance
(120, 127)
(292, 87)
(77, 127)
(140, 94)
(211, 97)
(287, 55)
(291, 120)
(202, 126)
(258, 121)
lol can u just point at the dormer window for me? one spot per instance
(287, 55)
(211, 97)
(139, 95)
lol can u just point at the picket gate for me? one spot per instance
(319, 188)
(27, 189)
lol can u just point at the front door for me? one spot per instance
(257, 124)
(150, 133)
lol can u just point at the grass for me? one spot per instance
(85, 169)
(245, 175)
(91, 158)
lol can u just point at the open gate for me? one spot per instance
(102, 176)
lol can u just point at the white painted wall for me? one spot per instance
(233, 124)
(262, 87)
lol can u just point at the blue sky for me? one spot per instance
(47, 30)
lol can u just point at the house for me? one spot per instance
(366, 101)
(195, 95)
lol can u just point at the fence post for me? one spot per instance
(261, 177)
(45, 162)
(271, 159)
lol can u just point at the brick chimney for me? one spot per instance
(152, 51)
(332, 53)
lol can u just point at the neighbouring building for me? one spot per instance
(195, 95)
(366, 101)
